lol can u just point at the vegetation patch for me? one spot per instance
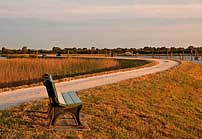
(24, 71)
(163, 105)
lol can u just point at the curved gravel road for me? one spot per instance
(16, 97)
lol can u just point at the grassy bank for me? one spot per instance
(23, 71)
(164, 105)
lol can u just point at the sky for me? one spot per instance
(100, 23)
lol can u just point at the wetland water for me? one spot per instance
(187, 58)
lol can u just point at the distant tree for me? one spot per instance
(147, 50)
(66, 50)
(190, 47)
(173, 50)
(199, 49)
(180, 49)
(4, 50)
(24, 50)
(56, 49)
(92, 50)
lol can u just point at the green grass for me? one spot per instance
(164, 105)
(130, 63)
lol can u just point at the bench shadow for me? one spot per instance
(38, 114)
(65, 122)
(30, 119)
(37, 111)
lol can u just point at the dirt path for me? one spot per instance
(12, 98)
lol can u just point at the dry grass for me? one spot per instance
(23, 71)
(164, 105)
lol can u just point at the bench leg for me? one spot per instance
(49, 110)
(57, 111)
(77, 115)
(51, 115)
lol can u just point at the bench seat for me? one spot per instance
(69, 98)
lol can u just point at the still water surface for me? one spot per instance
(187, 58)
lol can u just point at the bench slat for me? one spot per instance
(61, 99)
(74, 97)
(67, 98)
(53, 87)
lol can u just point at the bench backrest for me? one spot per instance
(50, 87)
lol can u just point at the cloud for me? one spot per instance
(132, 23)
(75, 11)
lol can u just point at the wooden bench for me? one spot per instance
(61, 103)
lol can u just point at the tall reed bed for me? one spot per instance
(22, 70)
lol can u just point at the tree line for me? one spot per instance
(114, 51)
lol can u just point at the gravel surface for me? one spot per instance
(16, 97)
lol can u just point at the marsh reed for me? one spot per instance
(25, 70)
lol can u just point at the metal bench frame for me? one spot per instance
(56, 108)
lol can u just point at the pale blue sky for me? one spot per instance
(106, 23)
